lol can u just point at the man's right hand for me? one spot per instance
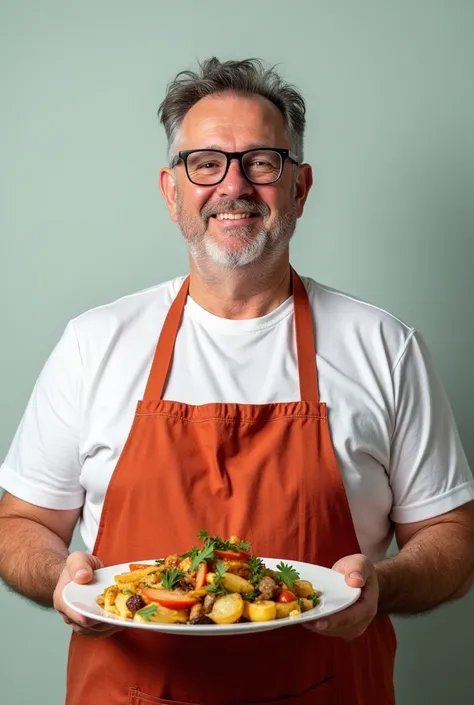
(79, 568)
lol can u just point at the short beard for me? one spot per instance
(264, 248)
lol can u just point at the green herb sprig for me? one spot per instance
(217, 588)
(257, 570)
(315, 599)
(170, 578)
(147, 612)
(220, 544)
(205, 554)
(287, 574)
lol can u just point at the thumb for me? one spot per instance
(355, 569)
(81, 566)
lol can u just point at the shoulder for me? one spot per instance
(128, 310)
(348, 321)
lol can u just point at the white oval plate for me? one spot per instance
(337, 595)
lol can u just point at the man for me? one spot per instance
(273, 408)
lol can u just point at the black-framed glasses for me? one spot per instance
(208, 167)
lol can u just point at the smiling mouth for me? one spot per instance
(235, 216)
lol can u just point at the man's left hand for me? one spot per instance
(353, 621)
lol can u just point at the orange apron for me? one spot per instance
(267, 473)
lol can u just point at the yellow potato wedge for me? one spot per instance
(163, 614)
(283, 609)
(110, 596)
(227, 609)
(134, 575)
(302, 588)
(234, 583)
(263, 611)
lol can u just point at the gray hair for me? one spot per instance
(248, 77)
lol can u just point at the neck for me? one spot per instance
(241, 293)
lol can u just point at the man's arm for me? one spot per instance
(435, 563)
(34, 547)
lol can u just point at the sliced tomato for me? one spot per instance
(286, 596)
(139, 566)
(170, 599)
(238, 555)
(201, 575)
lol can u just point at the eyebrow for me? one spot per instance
(250, 146)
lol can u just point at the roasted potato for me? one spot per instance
(227, 609)
(262, 611)
(283, 609)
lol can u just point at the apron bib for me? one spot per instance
(267, 473)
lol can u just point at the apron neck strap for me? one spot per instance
(305, 344)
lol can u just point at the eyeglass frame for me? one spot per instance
(284, 154)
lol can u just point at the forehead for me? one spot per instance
(233, 122)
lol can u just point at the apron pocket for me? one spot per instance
(324, 693)
(136, 697)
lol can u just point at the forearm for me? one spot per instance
(435, 566)
(31, 558)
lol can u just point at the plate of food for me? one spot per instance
(219, 587)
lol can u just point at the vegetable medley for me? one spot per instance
(219, 583)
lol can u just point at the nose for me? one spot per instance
(235, 184)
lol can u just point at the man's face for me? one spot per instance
(234, 123)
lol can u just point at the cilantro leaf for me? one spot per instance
(257, 570)
(205, 554)
(287, 574)
(220, 571)
(170, 578)
(251, 596)
(147, 612)
(315, 599)
(215, 589)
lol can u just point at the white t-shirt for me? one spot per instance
(392, 427)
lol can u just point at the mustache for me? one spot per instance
(232, 204)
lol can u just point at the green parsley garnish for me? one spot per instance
(160, 561)
(300, 603)
(287, 574)
(217, 587)
(147, 612)
(251, 596)
(170, 578)
(205, 554)
(220, 571)
(220, 544)
(126, 592)
(257, 570)
(314, 599)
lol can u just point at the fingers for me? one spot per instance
(353, 621)
(79, 567)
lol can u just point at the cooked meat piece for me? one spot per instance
(196, 611)
(173, 561)
(135, 603)
(267, 587)
(209, 603)
(202, 619)
(189, 579)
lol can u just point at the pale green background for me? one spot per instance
(389, 88)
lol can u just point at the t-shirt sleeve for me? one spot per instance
(43, 465)
(429, 473)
